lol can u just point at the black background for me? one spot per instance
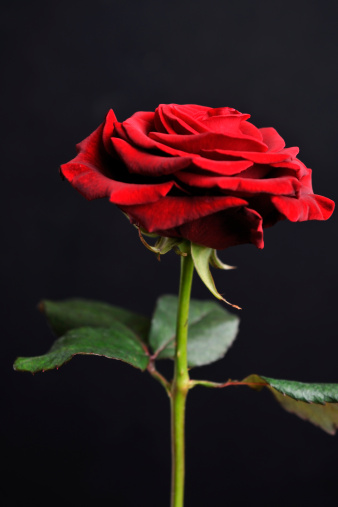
(96, 432)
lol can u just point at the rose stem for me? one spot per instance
(180, 384)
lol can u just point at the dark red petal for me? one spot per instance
(136, 132)
(171, 212)
(139, 161)
(208, 141)
(147, 164)
(225, 168)
(92, 152)
(307, 207)
(90, 172)
(93, 185)
(136, 138)
(296, 165)
(136, 129)
(226, 228)
(108, 129)
(279, 186)
(269, 157)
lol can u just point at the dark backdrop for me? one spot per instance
(96, 432)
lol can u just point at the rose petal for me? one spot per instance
(136, 133)
(171, 212)
(168, 123)
(90, 172)
(137, 128)
(272, 139)
(226, 228)
(307, 207)
(147, 164)
(231, 125)
(192, 116)
(108, 130)
(259, 158)
(296, 165)
(93, 185)
(208, 141)
(283, 185)
(250, 130)
(226, 168)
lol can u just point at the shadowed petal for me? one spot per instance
(171, 212)
(224, 229)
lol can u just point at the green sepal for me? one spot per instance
(117, 342)
(216, 262)
(202, 257)
(212, 330)
(63, 316)
(162, 246)
(316, 403)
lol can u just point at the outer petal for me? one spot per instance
(137, 128)
(94, 185)
(108, 130)
(171, 212)
(226, 228)
(90, 168)
(90, 172)
(307, 207)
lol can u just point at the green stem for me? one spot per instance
(180, 384)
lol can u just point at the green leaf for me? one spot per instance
(316, 403)
(212, 330)
(202, 256)
(74, 313)
(117, 342)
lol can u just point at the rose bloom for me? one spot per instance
(198, 173)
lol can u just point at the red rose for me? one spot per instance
(203, 174)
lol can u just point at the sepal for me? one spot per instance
(216, 262)
(203, 257)
(163, 244)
